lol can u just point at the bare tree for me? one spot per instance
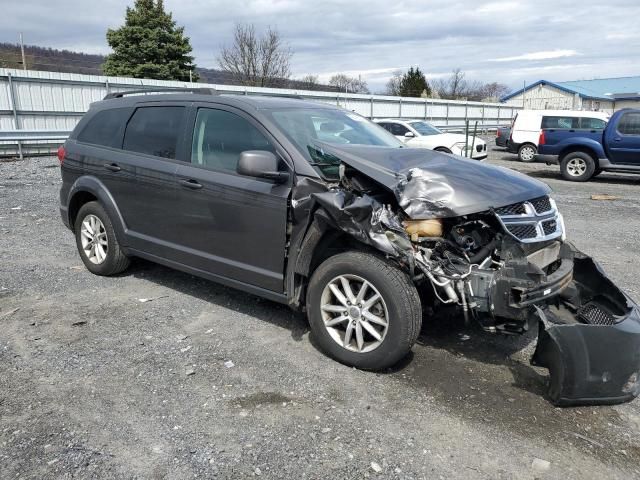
(457, 87)
(309, 82)
(348, 84)
(494, 91)
(452, 88)
(393, 85)
(260, 61)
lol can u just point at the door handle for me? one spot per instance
(190, 183)
(112, 167)
(617, 139)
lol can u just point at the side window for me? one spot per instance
(105, 128)
(560, 122)
(386, 126)
(220, 137)
(592, 123)
(398, 129)
(155, 131)
(629, 124)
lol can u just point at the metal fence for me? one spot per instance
(38, 109)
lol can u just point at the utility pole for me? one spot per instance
(190, 76)
(524, 92)
(24, 60)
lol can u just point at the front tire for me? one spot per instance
(97, 243)
(363, 311)
(577, 167)
(527, 153)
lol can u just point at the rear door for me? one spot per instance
(623, 141)
(153, 140)
(231, 225)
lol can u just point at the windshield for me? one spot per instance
(308, 128)
(424, 128)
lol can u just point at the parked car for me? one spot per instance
(526, 126)
(586, 152)
(320, 209)
(502, 136)
(421, 134)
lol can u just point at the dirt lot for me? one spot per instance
(95, 383)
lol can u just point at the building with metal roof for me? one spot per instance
(605, 94)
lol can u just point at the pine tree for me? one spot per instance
(413, 83)
(149, 45)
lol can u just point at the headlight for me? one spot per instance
(461, 146)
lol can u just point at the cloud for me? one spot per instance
(371, 38)
(546, 55)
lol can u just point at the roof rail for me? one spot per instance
(201, 91)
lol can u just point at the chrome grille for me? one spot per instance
(523, 231)
(542, 204)
(532, 221)
(513, 209)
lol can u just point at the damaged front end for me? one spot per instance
(490, 243)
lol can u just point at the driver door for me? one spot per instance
(232, 226)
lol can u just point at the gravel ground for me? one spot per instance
(203, 381)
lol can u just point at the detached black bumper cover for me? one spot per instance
(590, 340)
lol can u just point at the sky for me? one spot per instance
(510, 42)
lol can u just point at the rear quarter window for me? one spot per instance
(629, 124)
(105, 128)
(155, 131)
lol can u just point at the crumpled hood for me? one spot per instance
(431, 184)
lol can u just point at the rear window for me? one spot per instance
(105, 128)
(630, 124)
(560, 122)
(155, 131)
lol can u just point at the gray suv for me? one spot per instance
(316, 207)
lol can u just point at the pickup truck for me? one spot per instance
(583, 153)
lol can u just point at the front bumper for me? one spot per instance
(589, 340)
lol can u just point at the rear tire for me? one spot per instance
(577, 167)
(356, 328)
(527, 153)
(97, 243)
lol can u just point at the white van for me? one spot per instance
(526, 126)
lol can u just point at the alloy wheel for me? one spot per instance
(354, 313)
(94, 239)
(527, 154)
(576, 167)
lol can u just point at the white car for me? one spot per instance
(421, 134)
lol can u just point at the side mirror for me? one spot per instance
(260, 164)
(409, 135)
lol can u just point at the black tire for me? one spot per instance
(443, 150)
(527, 152)
(577, 167)
(115, 260)
(403, 310)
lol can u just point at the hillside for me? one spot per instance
(52, 60)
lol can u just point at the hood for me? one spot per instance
(431, 184)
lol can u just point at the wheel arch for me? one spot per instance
(581, 148)
(320, 242)
(87, 189)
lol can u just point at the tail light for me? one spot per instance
(61, 154)
(498, 133)
(541, 140)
